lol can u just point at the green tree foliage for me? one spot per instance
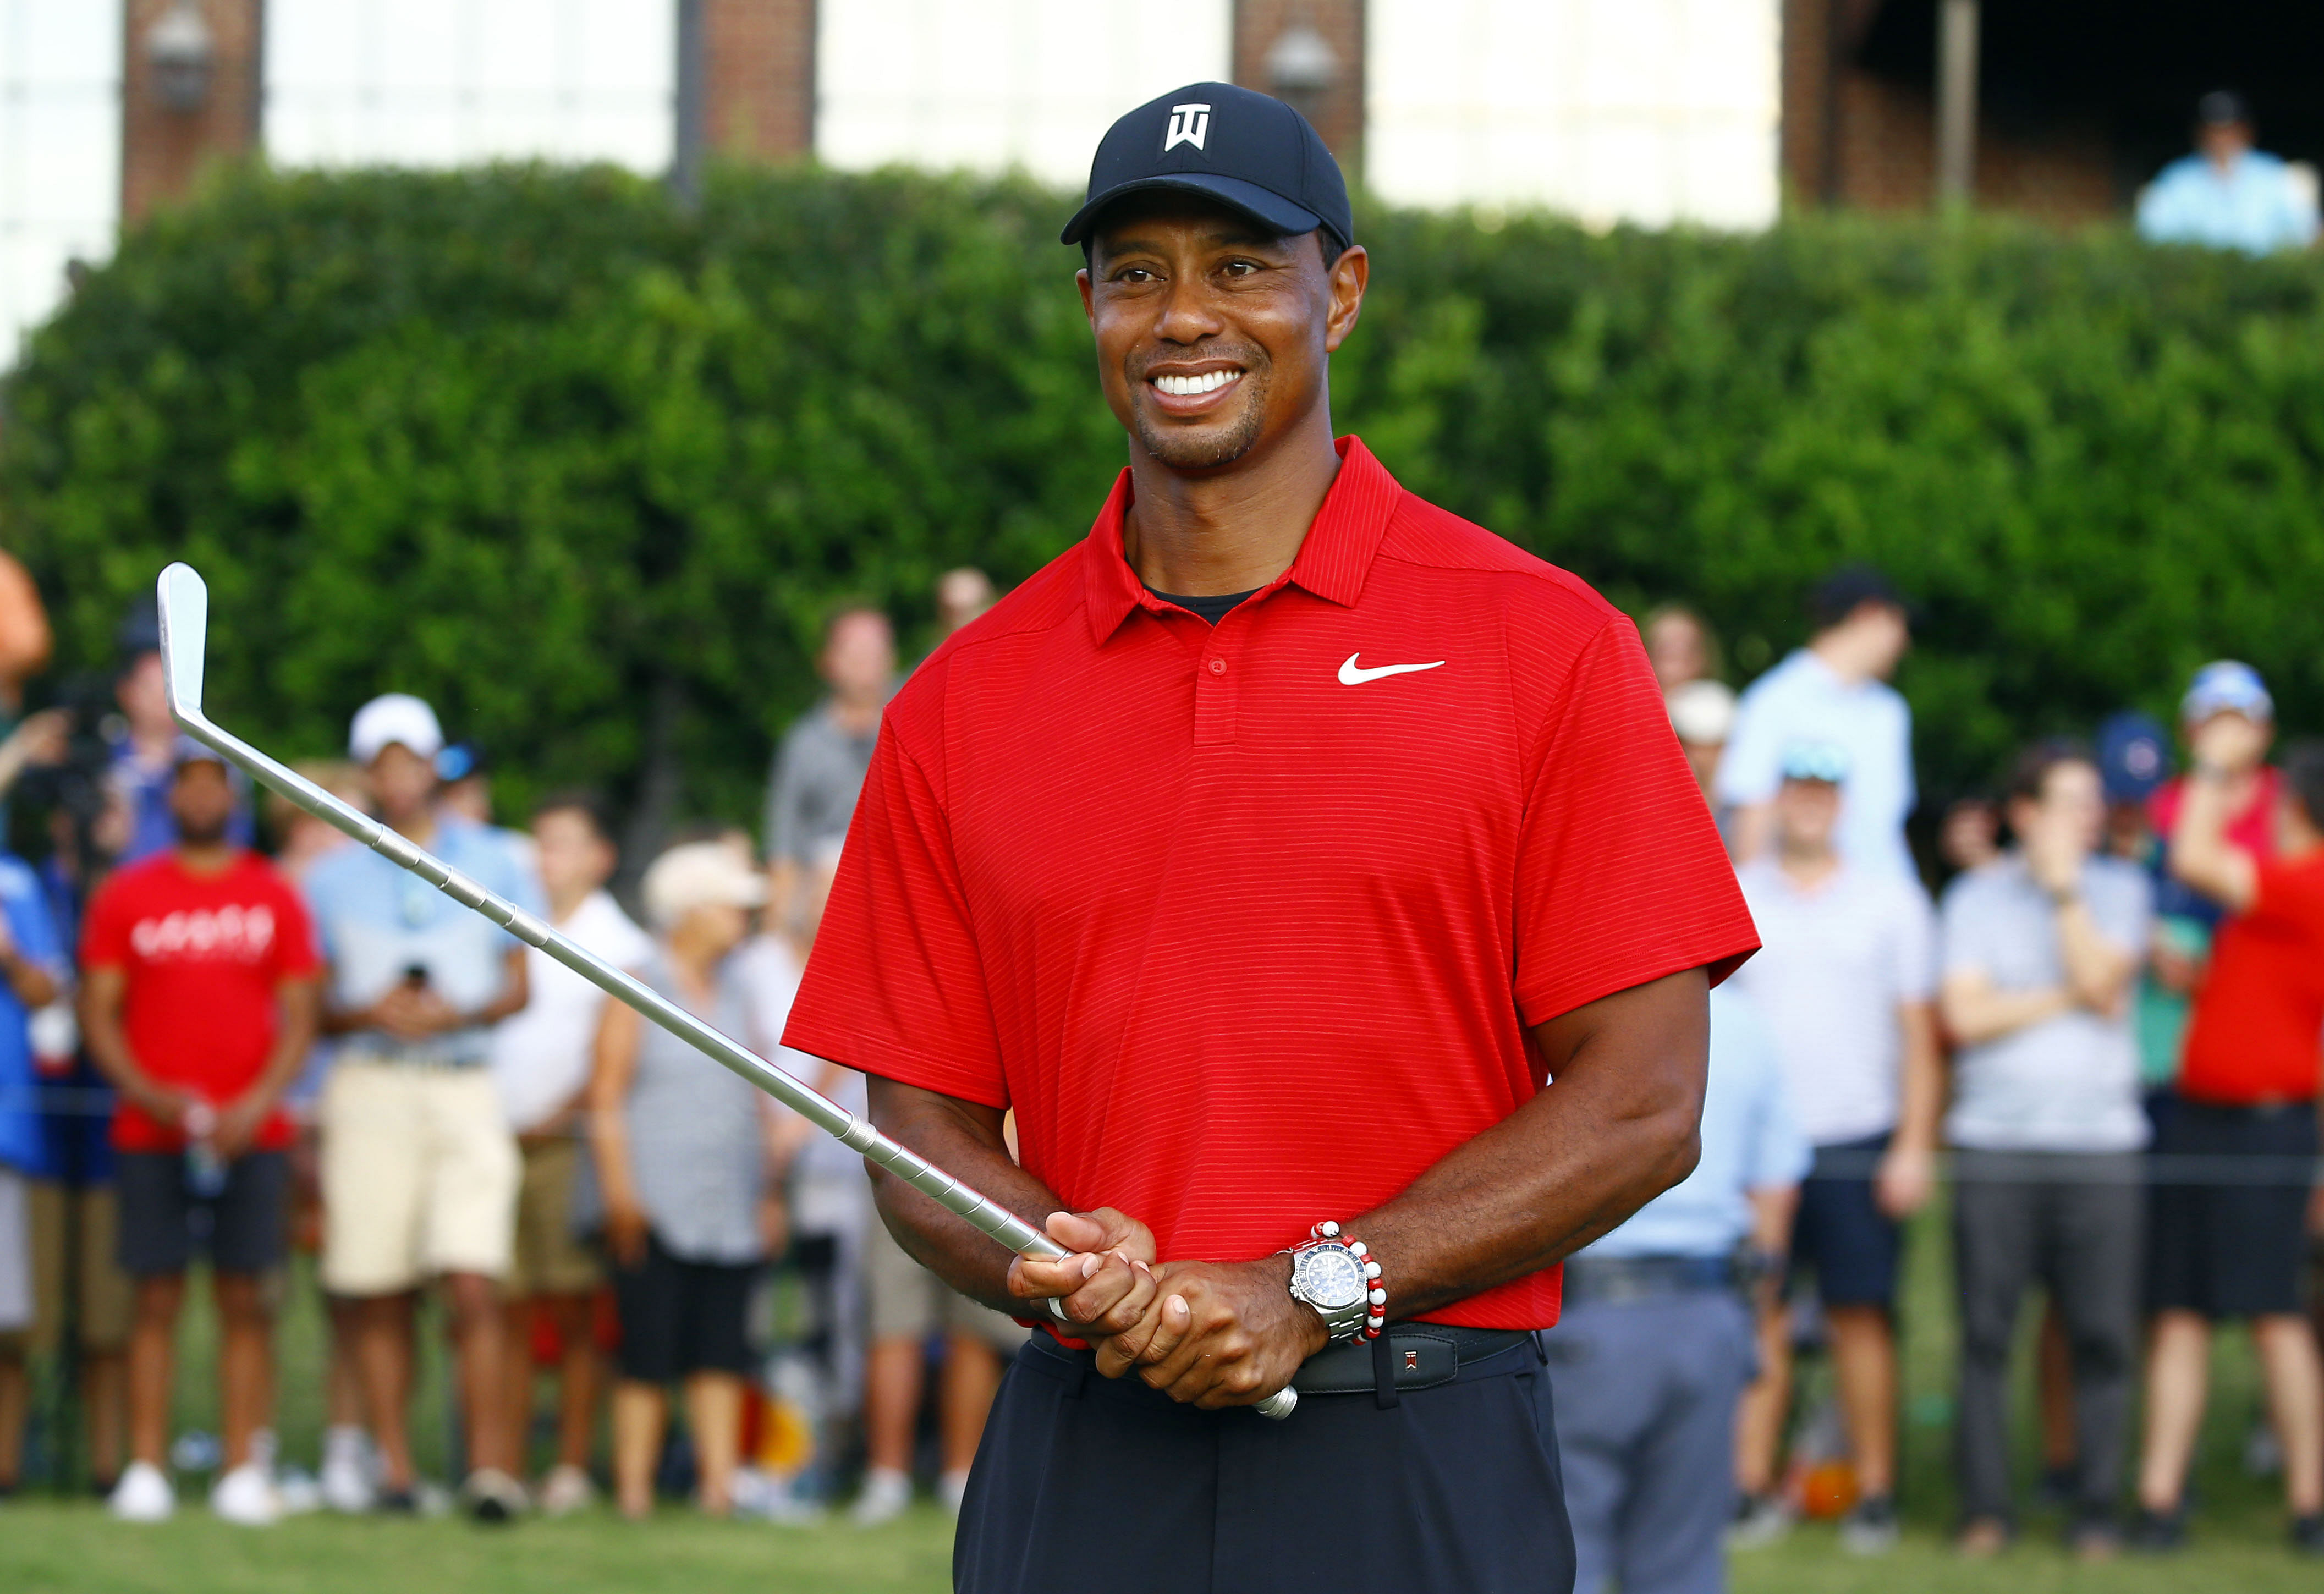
(589, 473)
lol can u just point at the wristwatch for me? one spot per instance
(1339, 1280)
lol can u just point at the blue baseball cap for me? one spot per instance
(2226, 686)
(1816, 760)
(1247, 151)
(2134, 755)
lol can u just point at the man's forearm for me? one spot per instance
(1921, 1106)
(2099, 971)
(1616, 1127)
(964, 1140)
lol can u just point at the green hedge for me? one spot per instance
(588, 471)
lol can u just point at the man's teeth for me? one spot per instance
(1187, 387)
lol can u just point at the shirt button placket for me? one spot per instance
(1214, 700)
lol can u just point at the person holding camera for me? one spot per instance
(419, 1170)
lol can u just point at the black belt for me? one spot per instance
(1641, 1278)
(1417, 1356)
(1412, 1356)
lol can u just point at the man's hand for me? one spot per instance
(1223, 1333)
(165, 1104)
(1906, 1178)
(2230, 743)
(413, 1013)
(625, 1228)
(2055, 848)
(1105, 1281)
(238, 1122)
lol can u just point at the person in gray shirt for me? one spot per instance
(818, 771)
(2040, 947)
(681, 1192)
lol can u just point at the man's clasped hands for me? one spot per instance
(1211, 1334)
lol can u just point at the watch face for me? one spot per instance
(1331, 1277)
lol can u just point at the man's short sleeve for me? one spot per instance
(1964, 928)
(895, 986)
(296, 956)
(1914, 939)
(2126, 912)
(31, 924)
(1620, 874)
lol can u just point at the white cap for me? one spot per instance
(1702, 713)
(398, 717)
(699, 874)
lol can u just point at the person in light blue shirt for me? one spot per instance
(419, 1167)
(1649, 1361)
(31, 970)
(1832, 691)
(2228, 195)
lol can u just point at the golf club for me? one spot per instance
(185, 602)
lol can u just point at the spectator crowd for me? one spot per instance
(2102, 1038)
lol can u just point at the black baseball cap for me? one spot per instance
(1849, 588)
(1247, 151)
(2222, 107)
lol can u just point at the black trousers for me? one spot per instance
(1084, 1482)
(2073, 1222)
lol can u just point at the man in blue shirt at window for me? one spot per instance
(2228, 195)
(1650, 1356)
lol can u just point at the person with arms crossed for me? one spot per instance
(2249, 1094)
(199, 1002)
(419, 1171)
(540, 1064)
(1846, 984)
(2041, 950)
(1833, 690)
(1266, 852)
(1657, 1340)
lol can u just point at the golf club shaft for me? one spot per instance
(856, 1133)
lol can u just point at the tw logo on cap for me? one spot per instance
(1189, 124)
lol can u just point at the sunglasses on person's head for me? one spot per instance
(1818, 760)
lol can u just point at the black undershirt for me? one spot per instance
(1212, 609)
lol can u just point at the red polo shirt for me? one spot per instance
(1246, 928)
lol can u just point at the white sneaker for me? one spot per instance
(884, 1497)
(347, 1483)
(491, 1496)
(247, 1497)
(143, 1494)
(951, 1489)
(566, 1489)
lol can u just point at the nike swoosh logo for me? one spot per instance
(1351, 675)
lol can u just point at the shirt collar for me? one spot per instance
(1332, 561)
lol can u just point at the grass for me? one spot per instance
(50, 1545)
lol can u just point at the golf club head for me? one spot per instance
(185, 605)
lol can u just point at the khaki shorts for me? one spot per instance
(420, 1176)
(549, 1261)
(91, 1215)
(908, 1302)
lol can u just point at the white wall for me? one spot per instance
(443, 82)
(1649, 111)
(59, 150)
(989, 84)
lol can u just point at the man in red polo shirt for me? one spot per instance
(199, 1002)
(2247, 1100)
(1266, 852)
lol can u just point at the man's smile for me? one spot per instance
(1192, 389)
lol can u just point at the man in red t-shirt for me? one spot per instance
(1266, 852)
(198, 1001)
(2249, 1091)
